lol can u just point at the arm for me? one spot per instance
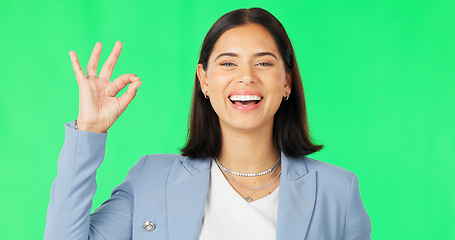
(75, 184)
(68, 215)
(358, 224)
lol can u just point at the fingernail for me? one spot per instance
(138, 85)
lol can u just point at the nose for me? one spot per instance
(246, 75)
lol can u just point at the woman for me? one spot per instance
(243, 173)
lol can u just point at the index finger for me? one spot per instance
(76, 66)
(108, 67)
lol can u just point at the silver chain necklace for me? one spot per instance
(247, 174)
(255, 188)
(263, 186)
(248, 197)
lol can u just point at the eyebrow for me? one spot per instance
(259, 54)
(229, 54)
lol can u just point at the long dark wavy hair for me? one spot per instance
(290, 126)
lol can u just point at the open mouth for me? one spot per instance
(245, 100)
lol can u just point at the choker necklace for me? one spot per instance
(247, 174)
(263, 186)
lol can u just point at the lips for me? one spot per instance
(245, 100)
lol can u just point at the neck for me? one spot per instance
(248, 152)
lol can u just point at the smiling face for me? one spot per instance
(245, 78)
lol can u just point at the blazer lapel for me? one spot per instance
(187, 188)
(296, 199)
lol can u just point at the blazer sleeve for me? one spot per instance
(358, 224)
(68, 214)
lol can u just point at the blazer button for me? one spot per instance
(148, 226)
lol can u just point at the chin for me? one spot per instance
(247, 125)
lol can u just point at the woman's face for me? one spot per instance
(245, 78)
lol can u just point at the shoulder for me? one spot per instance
(159, 166)
(160, 162)
(155, 172)
(330, 176)
(163, 158)
(326, 168)
(153, 165)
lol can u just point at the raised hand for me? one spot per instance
(98, 105)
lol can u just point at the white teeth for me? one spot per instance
(245, 98)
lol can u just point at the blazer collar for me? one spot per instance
(187, 189)
(296, 198)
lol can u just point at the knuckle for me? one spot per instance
(125, 80)
(109, 65)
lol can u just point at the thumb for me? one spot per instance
(128, 96)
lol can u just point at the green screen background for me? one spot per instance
(378, 78)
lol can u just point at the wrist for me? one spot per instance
(89, 127)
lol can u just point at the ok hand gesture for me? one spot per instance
(98, 105)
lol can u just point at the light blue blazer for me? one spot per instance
(317, 201)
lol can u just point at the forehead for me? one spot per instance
(245, 40)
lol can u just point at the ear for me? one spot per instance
(202, 76)
(287, 84)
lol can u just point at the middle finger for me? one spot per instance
(109, 65)
(94, 58)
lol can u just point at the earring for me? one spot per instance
(286, 98)
(205, 95)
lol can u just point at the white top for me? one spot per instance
(228, 216)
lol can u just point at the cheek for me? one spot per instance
(275, 81)
(216, 86)
(217, 82)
